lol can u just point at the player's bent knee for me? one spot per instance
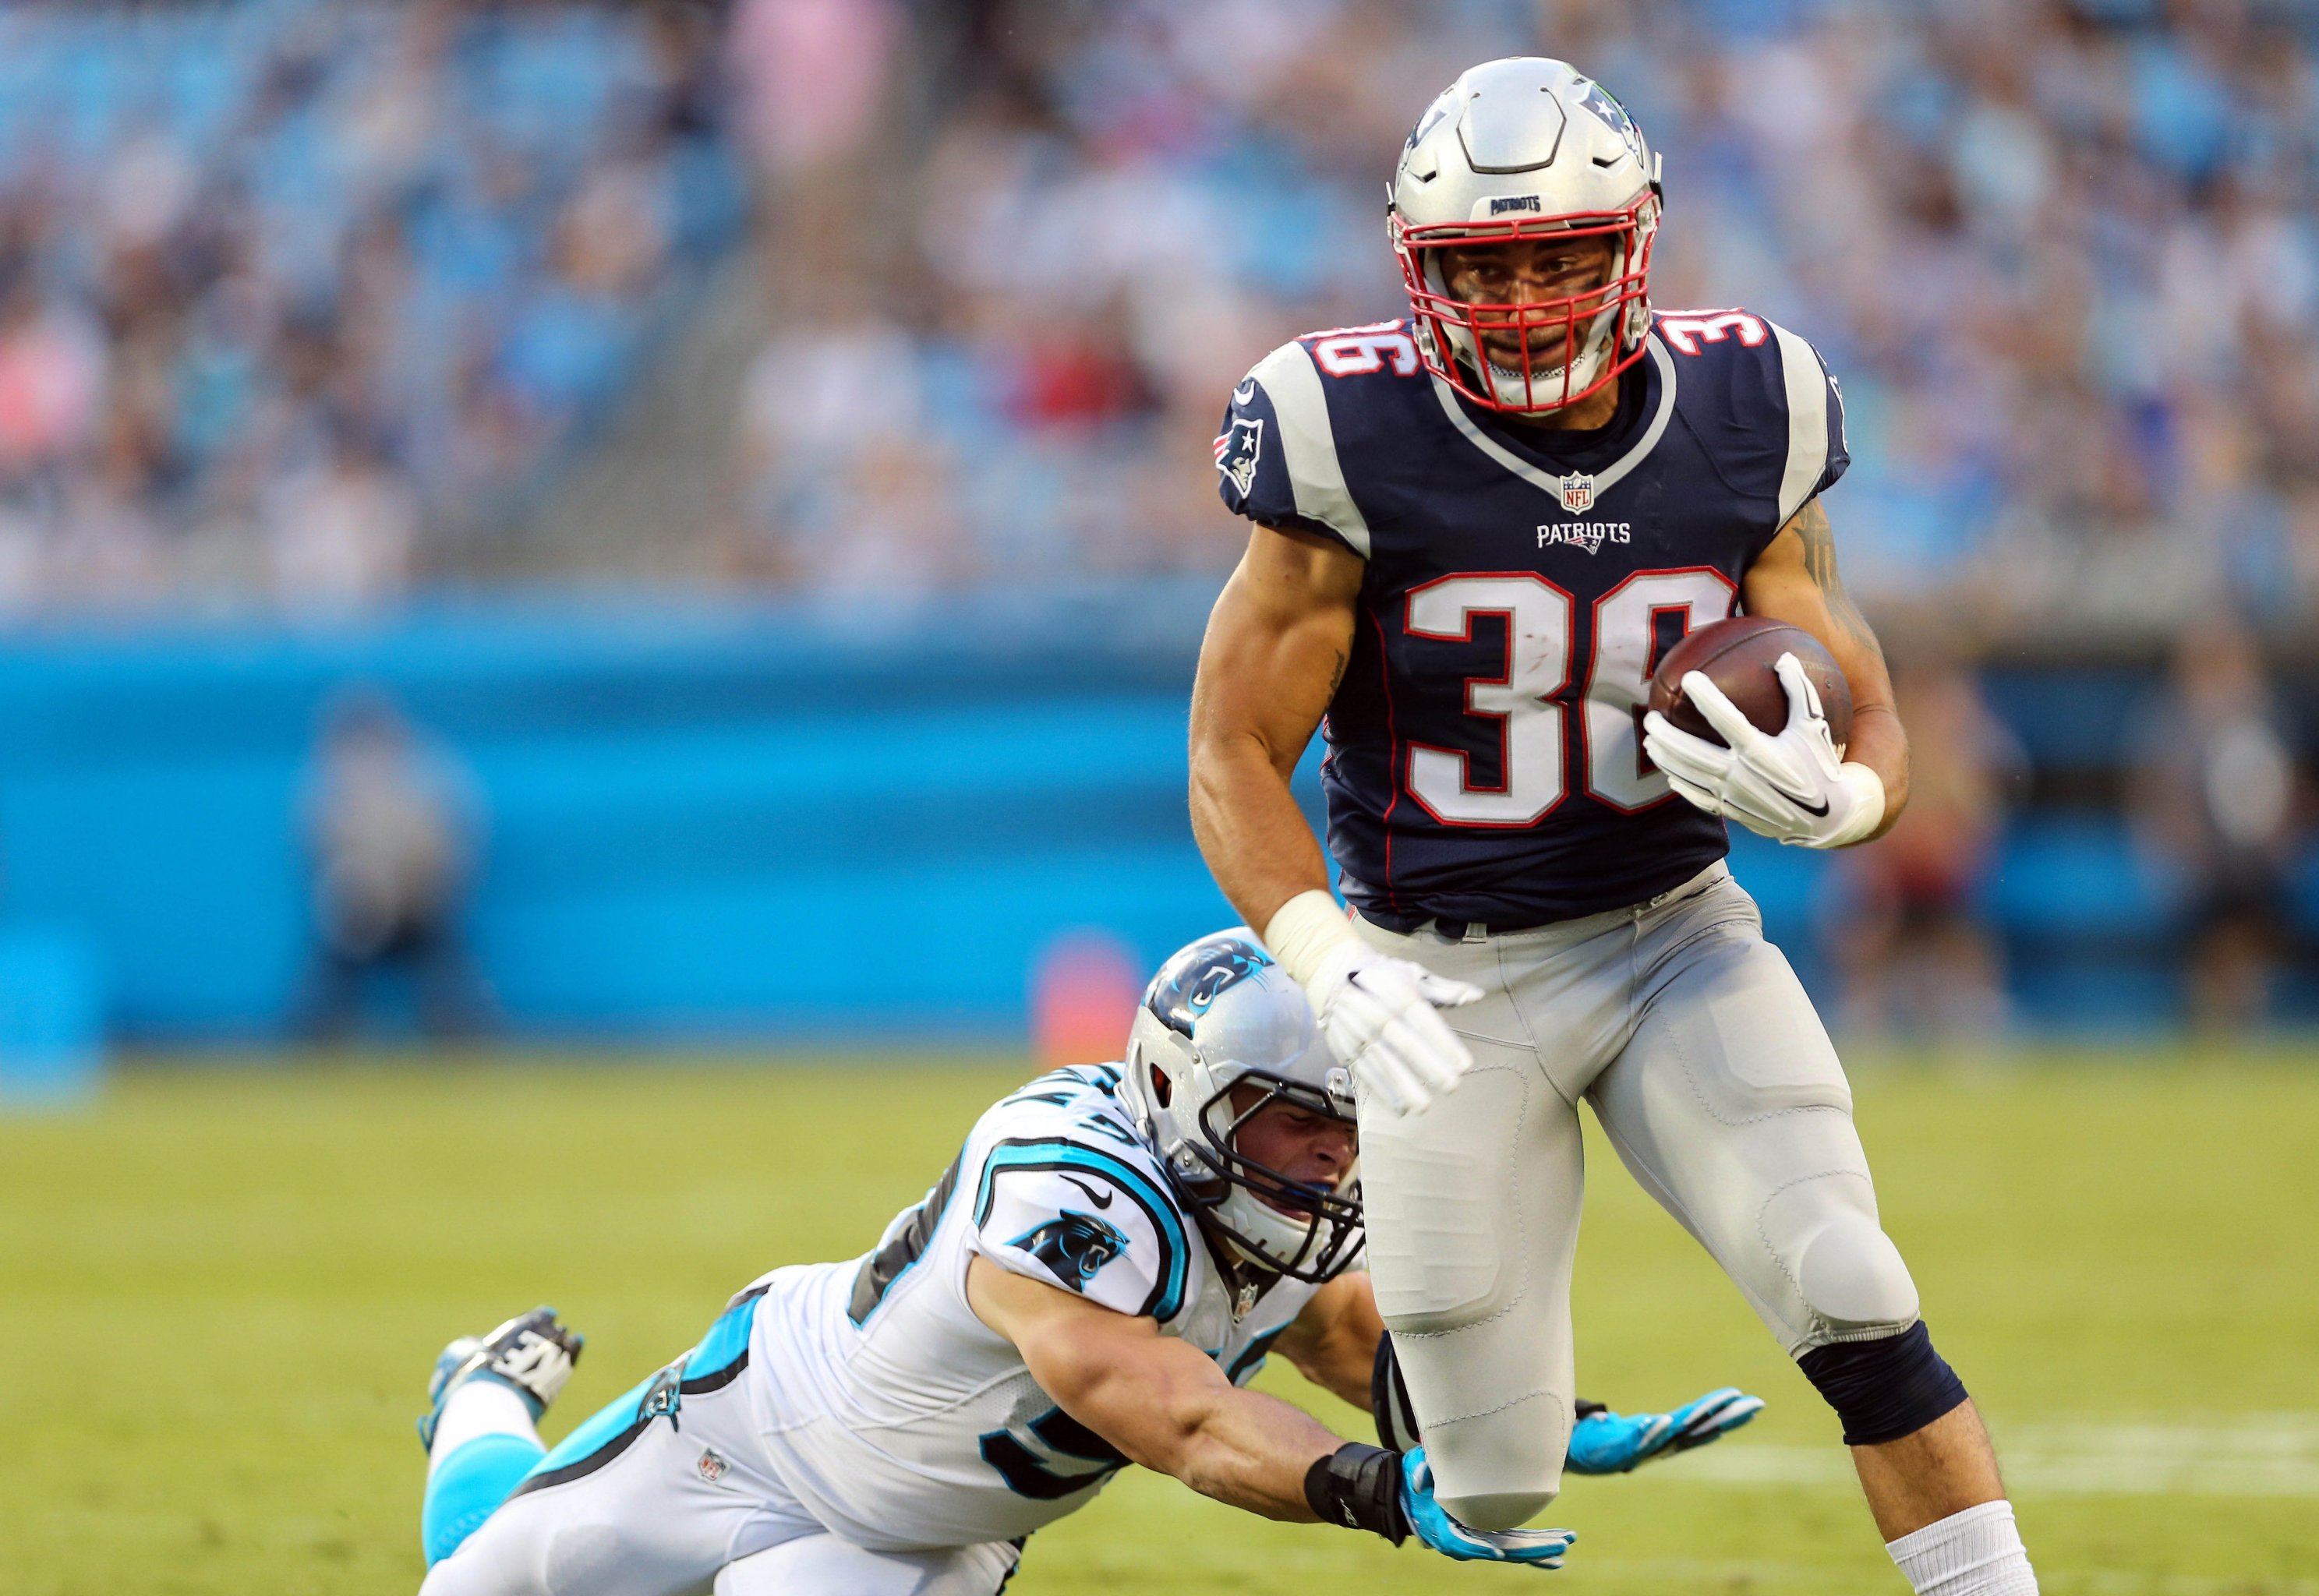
(1498, 1470)
(1852, 1275)
(1886, 1388)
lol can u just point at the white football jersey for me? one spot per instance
(901, 1419)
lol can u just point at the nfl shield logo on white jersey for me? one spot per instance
(1578, 492)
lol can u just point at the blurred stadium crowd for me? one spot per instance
(304, 299)
(294, 297)
(2061, 254)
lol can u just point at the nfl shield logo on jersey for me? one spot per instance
(1578, 492)
(1236, 453)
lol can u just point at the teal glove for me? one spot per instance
(1432, 1523)
(1607, 1443)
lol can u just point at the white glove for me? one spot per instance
(1794, 788)
(1375, 1012)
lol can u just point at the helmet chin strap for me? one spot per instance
(1247, 1259)
(1511, 389)
(1240, 1257)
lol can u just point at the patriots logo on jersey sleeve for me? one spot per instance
(1073, 1246)
(1236, 449)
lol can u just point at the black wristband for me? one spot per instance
(1586, 1410)
(1359, 1487)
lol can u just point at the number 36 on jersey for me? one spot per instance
(1633, 625)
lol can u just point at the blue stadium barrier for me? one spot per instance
(2076, 876)
(726, 820)
(51, 1018)
(719, 821)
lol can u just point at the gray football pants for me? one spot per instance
(1716, 1083)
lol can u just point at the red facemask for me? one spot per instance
(1544, 378)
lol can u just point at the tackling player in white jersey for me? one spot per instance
(1091, 1283)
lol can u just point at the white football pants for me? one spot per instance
(685, 1512)
(1717, 1086)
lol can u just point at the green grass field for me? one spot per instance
(219, 1292)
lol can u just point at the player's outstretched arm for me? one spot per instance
(1275, 651)
(1165, 1404)
(1795, 580)
(1160, 1401)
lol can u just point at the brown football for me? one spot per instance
(1741, 655)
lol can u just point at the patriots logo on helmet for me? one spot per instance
(1073, 1246)
(1236, 453)
(1433, 113)
(1613, 116)
(1195, 977)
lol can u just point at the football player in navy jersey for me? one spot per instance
(1478, 530)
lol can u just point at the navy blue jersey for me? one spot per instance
(1485, 754)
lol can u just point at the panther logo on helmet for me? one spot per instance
(1222, 1036)
(1195, 977)
(1074, 1247)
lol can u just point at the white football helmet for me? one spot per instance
(1221, 1013)
(1518, 148)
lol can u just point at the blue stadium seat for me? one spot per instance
(2073, 719)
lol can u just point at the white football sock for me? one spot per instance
(480, 1407)
(1975, 1552)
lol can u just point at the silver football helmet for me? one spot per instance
(1222, 1015)
(1519, 149)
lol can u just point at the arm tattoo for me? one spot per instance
(1819, 563)
(1337, 677)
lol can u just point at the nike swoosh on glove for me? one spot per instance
(1794, 788)
(1614, 1443)
(1431, 1522)
(1378, 1015)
